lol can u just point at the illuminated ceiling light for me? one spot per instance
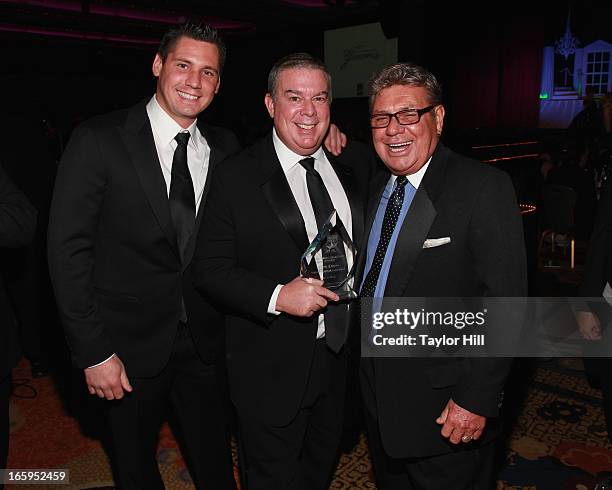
(499, 145)
(321, 4)
(516, 157)
(93, 36)
(130, 13)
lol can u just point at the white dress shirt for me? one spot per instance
(296, 176)
(415, 178)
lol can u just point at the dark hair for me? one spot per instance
(296, 60)
(405, 74)
(192, 30)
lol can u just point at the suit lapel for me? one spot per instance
(410, 242)
(217, 155)
(138, 138)
(277, 192)
(377, 188)
(349, 184)
(416, 225)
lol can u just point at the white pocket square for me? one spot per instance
(436, 242)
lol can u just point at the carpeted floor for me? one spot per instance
(557, 441)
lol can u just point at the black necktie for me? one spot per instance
(336, 319)
(182, 196)
(392, 212)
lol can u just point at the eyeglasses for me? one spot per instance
(407, 116)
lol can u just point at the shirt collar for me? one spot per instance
(288, 158)
(415, 178)
(166, 127)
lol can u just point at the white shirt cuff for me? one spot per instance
(272, 303)
(100, 363)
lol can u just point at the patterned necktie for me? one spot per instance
(182, 196)
(392, 212)
(322, 205)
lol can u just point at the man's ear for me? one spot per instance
(439, 112)
(157, 65)
(218, 85)
(269, 101)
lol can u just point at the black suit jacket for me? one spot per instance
(17, 228)
(252, 238)
(473, 204)
(598, 266)
(113, 253)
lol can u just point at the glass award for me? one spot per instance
(324, 258)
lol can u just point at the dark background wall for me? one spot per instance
(489, 61)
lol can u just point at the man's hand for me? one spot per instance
(589, 325)
(335, 140)
(108, 380)
(459, 424)
(304, 297)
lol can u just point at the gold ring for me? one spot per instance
(466, 438)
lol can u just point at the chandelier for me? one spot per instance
(567, 44)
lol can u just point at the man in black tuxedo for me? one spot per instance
(17, 228)
(594, 321)
(438, 225)
(25, 270)
(594, 318)
(285, 334)
(127, 204)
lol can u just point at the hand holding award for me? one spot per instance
(334, 242)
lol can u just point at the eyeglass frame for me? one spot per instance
(419, 113)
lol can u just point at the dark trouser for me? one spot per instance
(197, 393)
(606, 390)
(600, 369)
(5, 393)
(467, 469)
(302, 454)
(25, 278)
